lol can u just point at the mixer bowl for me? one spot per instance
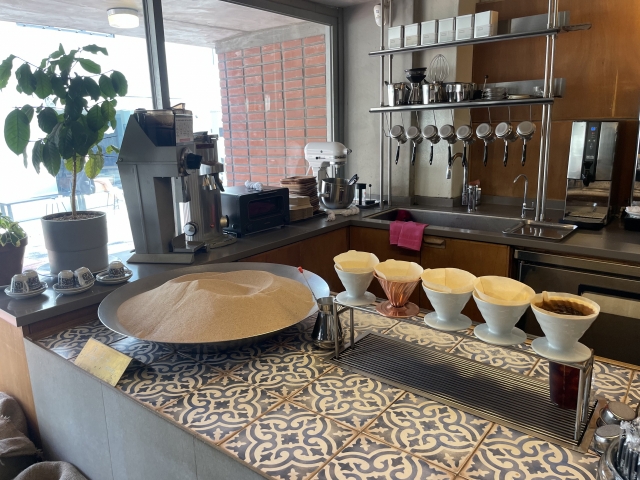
(337, 194)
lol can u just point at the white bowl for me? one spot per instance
(447, 305)
(563, 331)
(500, 322)
(355, 284)
(356, 262)
(399, 271)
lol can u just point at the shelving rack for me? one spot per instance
(546, 102)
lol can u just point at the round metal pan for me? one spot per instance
(107, 311)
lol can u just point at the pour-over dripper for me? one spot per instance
(416, 75)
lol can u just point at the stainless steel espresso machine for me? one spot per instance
(172, 188)
(590, 173)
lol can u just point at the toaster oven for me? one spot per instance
(252, 211)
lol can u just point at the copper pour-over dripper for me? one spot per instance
(398, 293)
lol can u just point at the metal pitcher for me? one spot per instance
(324, 331)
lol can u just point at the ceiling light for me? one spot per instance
(123, 17)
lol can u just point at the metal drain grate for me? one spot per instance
(483, 390)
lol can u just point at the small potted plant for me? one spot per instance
(74, 111)
(13, 241)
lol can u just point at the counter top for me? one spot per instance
(612, 243)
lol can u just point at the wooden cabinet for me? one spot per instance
(314, 254)
(478, 258)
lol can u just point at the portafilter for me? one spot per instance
(397, 133)
(430, 133)
(504, 131)
(485, 133)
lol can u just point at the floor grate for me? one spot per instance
(489, 392)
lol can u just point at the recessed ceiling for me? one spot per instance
(194, 22)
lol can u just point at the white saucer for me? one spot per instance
(515, 337)
(107, 280)
(45, 268)
(579, 353)
(29, 294)
(72, 291)
(461, 323)
(368, 299)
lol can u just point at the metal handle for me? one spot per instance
(485, 156)
(434, 242)
(431, 155)
(398, 153)
(506, 153)
(524, 153)
(413, 153)
(449, 156)
(464, 155)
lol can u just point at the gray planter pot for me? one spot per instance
(72, 244)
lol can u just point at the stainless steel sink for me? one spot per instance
(463, 221)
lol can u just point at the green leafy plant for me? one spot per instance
(75, 112)
(10, 232)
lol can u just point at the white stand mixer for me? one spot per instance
(321, 155)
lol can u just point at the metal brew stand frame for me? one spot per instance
(582, 438)
(546, 101)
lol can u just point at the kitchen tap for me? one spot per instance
(450, 165)
(524, 201)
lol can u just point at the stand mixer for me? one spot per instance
(322, 155)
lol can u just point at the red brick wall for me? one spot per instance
(273, 103)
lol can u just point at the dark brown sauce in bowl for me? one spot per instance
(565, 307)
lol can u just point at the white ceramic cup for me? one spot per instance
(116, 269)
(32, 279)
(84, 277)
(355, 284)
(20, 283)
(66, 279)
(447, 305)
(564, 331)
(500, 318)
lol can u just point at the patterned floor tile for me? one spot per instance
(362, 321)
(440, 434)
(166, 380)
(141, 350)
(496, 356)
(70, 342)
(410, 332)
(289, 442)
(225, 360)
(282, 373)
(365, 459)
(220, 408)
(634, 390)
(347, 397)
(609, 381)
(507, 454)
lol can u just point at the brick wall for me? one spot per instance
(274, 102)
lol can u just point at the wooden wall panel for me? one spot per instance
(601, 67)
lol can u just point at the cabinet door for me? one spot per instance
(376, 241)
(478, 258)
(317, 254)
(287, 255)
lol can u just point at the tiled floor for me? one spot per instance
(281, 407)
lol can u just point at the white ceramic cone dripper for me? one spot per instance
(500, 327)
(356, 285)
(447, 308)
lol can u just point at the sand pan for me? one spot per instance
(399, 271)
(503, 291)
(356, 262)
(448, 280)
(215, 307)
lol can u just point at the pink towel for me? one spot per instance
(394, 231)
(411, 236)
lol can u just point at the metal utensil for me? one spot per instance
(430, 133)
(413, 134)
(397, 93)
(526, 130)
(397, 133)
(460, 91)
(324, 331)
(448, 133)
(353, 179)
(438, 69)
(615, 413)
(485, 133)
(603, 437)
(433, 93)
(504, 131)
(465, 135)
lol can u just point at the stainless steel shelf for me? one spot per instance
(473, 41)
(458, 105)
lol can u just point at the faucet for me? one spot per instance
(524, 200)
(465, 177)
(449, 167)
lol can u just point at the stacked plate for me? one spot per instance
(494, 93)
(74, 290)
(29, 294)
(306, 186)
(110, 280)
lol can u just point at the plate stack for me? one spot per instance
(305, 186)
(494, 93)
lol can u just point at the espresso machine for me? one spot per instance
(171, 186)
(590, 173)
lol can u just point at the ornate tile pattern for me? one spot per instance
(225, 360)
(496, 356)
(367, 321)
(141, 350)
(365, 459)
(440, 434)
(289, 442)
(633, 398)
(410, 332)
(166, 380)
(347, 397)
(220, 408)
(70, 342)
(507, 454)
(609, 381)
(282, 373)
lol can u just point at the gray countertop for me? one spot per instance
(612, 243)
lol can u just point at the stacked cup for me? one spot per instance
(448, 290)
(398, 279)
(355, 270)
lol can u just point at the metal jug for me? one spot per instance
(324, 331)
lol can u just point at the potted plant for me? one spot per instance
(13, 241)
(75, 110)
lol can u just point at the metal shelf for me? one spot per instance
(472, 41)
(458, 105)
